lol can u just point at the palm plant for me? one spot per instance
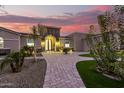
(15, 60)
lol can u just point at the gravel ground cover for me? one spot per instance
(31, 76)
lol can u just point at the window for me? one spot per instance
(67, 45)
(1, 42)
(30, 42)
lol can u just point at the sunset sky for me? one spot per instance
(71, 18)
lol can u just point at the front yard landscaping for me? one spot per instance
(108, 66)
(31, 76)
(94, 79)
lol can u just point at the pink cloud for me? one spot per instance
(77, 28)
(24, 27)
(79, 22)
(102, 8)
(19, 27)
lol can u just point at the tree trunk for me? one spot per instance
(35, 60)
(13, 67)
(22, 62)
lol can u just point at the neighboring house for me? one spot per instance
(79, 42)
(114, 39)
(66, 41)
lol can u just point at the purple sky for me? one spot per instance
(71, 18)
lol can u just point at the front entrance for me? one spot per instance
(50, 43)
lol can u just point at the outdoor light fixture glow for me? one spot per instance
(30, 44)
(42, 43)
(58, 44)
(67, 45)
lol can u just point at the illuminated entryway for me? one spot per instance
(50, 43)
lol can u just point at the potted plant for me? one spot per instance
(65, 50)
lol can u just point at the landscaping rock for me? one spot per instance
(112, 77)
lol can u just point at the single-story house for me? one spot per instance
(50, 40)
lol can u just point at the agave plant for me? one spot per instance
(14, 60)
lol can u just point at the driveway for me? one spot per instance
(61, 70)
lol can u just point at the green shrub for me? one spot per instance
(66, 50)
(28, 50)
(119, 69)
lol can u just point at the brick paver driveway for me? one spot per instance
(62, 72)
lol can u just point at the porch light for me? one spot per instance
(42, 43)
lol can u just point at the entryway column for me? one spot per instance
(50, 45)
(46, 45)
(55, 46)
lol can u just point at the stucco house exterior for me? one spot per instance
(49, 40)
(79, 42)
(12, 40)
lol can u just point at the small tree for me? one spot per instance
(35, 37)
(119, 13)
(38, 31)
(42, 31)
(103, 47)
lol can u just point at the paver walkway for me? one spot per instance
(61, 71)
